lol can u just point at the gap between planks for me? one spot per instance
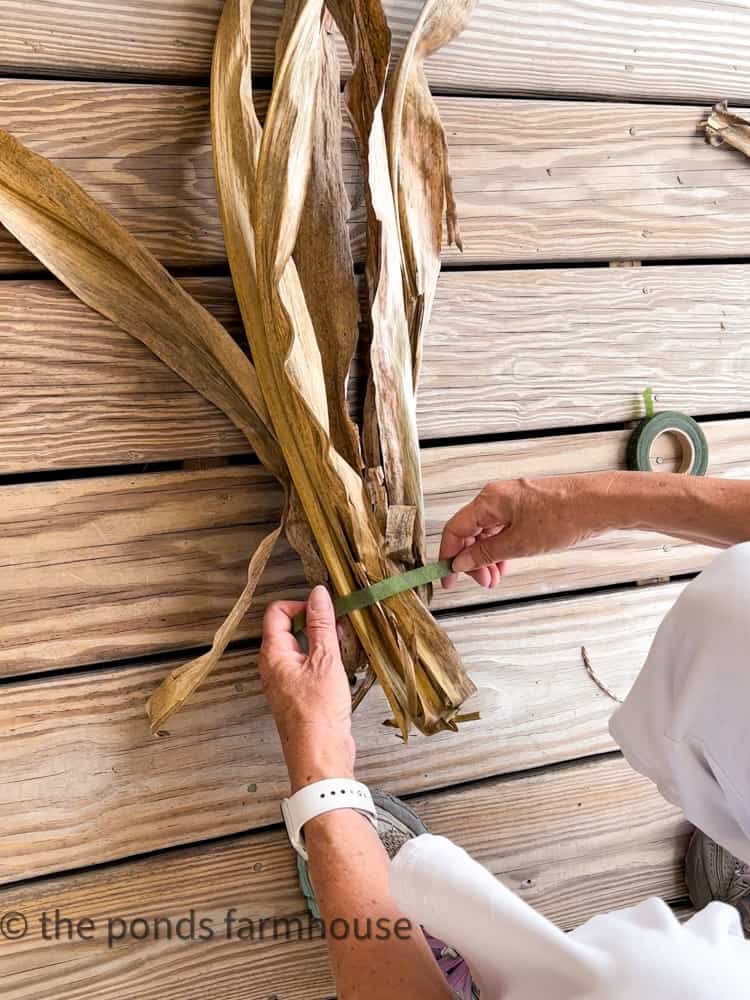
(218, 768)
(572, 841)
(534, 180)
(122, 566)
(572, 47)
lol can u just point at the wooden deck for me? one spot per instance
(574, 137)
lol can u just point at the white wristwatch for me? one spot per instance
(322, 797)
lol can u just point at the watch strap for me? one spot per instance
(323, 797)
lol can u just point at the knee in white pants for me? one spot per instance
(684, 723)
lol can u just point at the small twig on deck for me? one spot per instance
(599, 683)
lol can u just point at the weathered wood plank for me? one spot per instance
(81, 780)
(514, 350)
(143, 152)
(557, 47)
(506, 351)
(76, 391)
(113, 567)
(574, 842)
(535, 180)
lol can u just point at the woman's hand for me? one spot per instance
(523, 517)
(309, 694)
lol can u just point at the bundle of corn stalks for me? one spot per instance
(353, 495)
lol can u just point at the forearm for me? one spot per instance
(707, 510)
(382, 955)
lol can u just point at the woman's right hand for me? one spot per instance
(522, 517)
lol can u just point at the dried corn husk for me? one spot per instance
(418, 154)
(415, 662)
(323, 254)
(108, 269)
(284, 212)
(390, 409)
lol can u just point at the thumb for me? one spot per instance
(321, 620)
(494, 549)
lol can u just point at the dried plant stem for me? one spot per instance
(595, 678)
(353, 505)
(418, 156)
(413, 659)
(723, 126)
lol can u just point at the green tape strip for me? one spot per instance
(383, 588)
(648, 401)
(689, 433)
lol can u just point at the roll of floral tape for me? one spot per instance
(688, 433)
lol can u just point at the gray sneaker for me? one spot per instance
(397, 823)
(711, 872)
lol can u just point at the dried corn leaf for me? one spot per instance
(262, 184)
(236, 134)
(391, 403)
(323, 255)
(107, 269)
(724, 126)
(177, 687)
(237, 138)
(110, 271)
(284, 342)
(415, 662)
(418, 153)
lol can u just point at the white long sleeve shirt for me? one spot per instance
(686, 725)
(514, 953)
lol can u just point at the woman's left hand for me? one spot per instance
(309, 693)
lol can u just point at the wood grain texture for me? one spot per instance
(117, 566)
(514, 350)
(534, 180)
(83, 774)
(143, 152)
(113, 567)
(77, 391)
(573, 842)
(636, 48)
(506, 351)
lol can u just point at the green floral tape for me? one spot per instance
(684, 428)
(382, 589)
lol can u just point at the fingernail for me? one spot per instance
(318, 599)
(463, 562)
